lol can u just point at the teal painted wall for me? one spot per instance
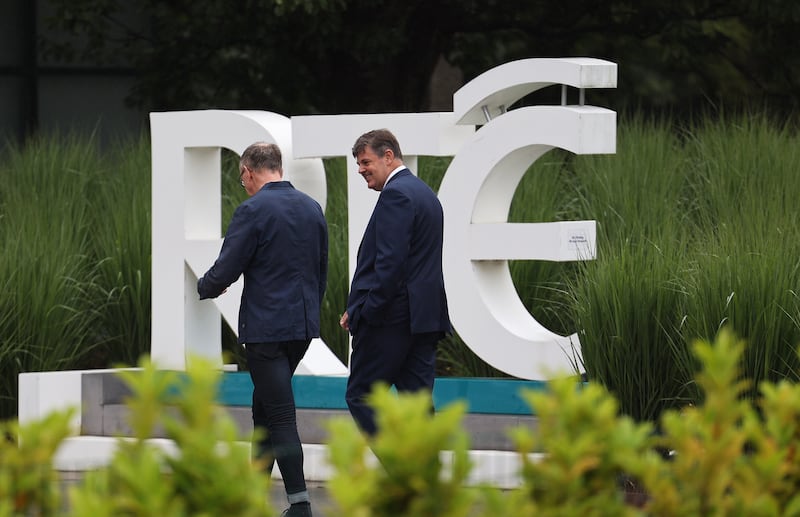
(494, 396)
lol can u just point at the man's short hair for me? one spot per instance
(262, 155)
(379, 140)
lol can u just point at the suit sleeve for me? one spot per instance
(394, 220)
(237, 249)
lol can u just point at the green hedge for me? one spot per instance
(724, 457)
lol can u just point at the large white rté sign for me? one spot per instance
(476, 194)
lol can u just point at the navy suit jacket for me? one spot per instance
(398, 275)
(278, 239)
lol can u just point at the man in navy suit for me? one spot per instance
(397, 309)
(278, 239)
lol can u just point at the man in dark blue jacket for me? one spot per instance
(397, 308)
(278, 239)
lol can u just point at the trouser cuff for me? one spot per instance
(299, 497)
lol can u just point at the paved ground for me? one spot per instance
(321, 504)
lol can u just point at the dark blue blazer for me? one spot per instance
(398, 275)
(278, 239)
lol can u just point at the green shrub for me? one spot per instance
(588, 448)
(28, 483)
(729, 456)
(211, 472)
(722, 457)
(409, 477)
(725, 456)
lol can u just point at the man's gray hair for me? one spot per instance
(262, 155)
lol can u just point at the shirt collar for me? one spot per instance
(391, 174)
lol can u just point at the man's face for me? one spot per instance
(373, 168)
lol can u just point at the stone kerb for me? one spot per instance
(494, 406)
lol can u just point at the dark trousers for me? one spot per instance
(271, 368)
(393, 355)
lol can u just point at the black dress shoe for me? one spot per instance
(298, 510)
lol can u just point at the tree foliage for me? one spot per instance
(353, 56)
